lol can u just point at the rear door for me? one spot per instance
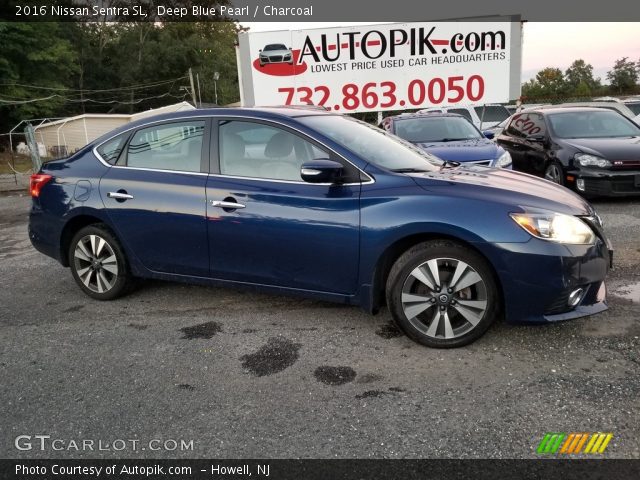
(266, 225)
(155, 196)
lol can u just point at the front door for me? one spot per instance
(266, 225)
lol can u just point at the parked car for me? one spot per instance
(324, 206)
(275, 53)
(482, 116)
(448, 136)
(594, 151)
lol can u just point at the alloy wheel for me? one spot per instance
(553, 174)
(95, 263)
(444, 298)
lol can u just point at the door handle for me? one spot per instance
(119, 195)
(226, 205)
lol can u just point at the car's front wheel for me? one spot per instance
(553, 173)
(442, 294)
(98, 263)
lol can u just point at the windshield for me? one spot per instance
(274, 46)
(372, 144)
(589, 124)
(492, 113)
(435, 129)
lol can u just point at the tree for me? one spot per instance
(33, 53)
(549, 82)
(624, 75)
(579, 78)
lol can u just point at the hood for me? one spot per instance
(621, 148)
(505, 186)
(464, 150)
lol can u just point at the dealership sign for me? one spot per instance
(383, 67)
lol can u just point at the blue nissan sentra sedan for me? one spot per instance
(302, 201)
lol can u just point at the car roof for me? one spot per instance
(559, 109)
(403, 116)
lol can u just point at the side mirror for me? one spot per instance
(488, 134)
(260, 51)
(536, 138)
(321, 170)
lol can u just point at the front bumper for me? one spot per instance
(609, 183)
(537, 278)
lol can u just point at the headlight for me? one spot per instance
(504, 160)
(586, 160)
(555, 227)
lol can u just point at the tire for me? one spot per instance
(98, 263)
(449, 317)
(554, 173)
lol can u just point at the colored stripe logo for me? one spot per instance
(574, 443)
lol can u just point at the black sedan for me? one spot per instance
(591, 150)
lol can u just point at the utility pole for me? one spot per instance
(193, 88)
(199, 96)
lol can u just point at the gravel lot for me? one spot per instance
(249, 375)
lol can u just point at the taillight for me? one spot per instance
(38, 180)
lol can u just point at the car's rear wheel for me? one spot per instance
(442, 294)
(98, 263)
(554, 174)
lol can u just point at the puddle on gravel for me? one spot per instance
(279, 353)
(334, 375)
(630, 292)
(204, 330)
(389, 330)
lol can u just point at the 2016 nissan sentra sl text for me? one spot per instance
(307, 202)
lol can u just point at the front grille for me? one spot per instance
(276, 58)
(483, 163)
(614, 185)
(625, 164)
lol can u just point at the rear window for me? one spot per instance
(492, 113)
(461, 111)
(111, 149)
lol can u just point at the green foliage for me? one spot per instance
(579, 76)
(624, 75)
(90, 67)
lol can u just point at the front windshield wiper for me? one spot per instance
(455, 139)
(449, 163)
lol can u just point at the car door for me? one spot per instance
(266, 225)
(155, 196)
(537, 143)
(517, 139)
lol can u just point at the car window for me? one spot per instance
(258, 150)
(110, 150)
(592, 124)
(634, 107)
(373, 144)
(492, 113)
(461, 111)
(436, 129)
(525, 124)
(173, 146)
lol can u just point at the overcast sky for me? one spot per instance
(552, 44)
